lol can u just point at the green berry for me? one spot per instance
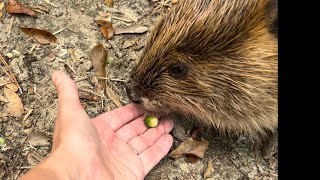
(151, 121)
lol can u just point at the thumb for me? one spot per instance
(68, 97)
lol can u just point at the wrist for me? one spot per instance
(68, 165)
(47, 169)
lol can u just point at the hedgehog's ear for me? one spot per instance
(272, 16)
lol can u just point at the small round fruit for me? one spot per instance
(151, 121)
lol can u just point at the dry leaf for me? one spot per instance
(190, 147)
(12, 86)
(99, 57)
(15, 7)
(4, 82)
(42, 36)
(15, 106)
(109, 3)
(106, 28)
(3, 99)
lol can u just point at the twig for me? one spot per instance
(106, 78)
(19, 171)
(10, 73)
(114, 97)
(238, 168)
(10, 25)
(116, 49)
(59, 31)
(27, 115)
(90, 91)
(17, 155)
(48, 2)
(26, 167)
(102, 94)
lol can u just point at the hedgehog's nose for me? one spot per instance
(133, 96)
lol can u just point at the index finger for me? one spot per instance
(120, 116)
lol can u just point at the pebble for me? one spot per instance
(38, 139)
(63, 54)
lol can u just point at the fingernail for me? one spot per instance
(56, 77)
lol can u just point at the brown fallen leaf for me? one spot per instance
(109, 3)
(14, 106)
(190, 147)
(106, 28)
(42, 36)
(99, 57)
(14, 7)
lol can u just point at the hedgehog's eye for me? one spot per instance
(178, 70)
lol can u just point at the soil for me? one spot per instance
(28, 141)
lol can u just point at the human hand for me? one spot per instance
(99, 148)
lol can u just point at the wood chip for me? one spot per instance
(209, 169)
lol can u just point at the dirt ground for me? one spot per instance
(28, 140)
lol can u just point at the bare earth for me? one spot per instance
(28, 141)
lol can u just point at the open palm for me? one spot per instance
(116, 141)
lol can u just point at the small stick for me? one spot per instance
(106, 78)
(48, 2)
(27, 115)
(10, 25)
(59, 31)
